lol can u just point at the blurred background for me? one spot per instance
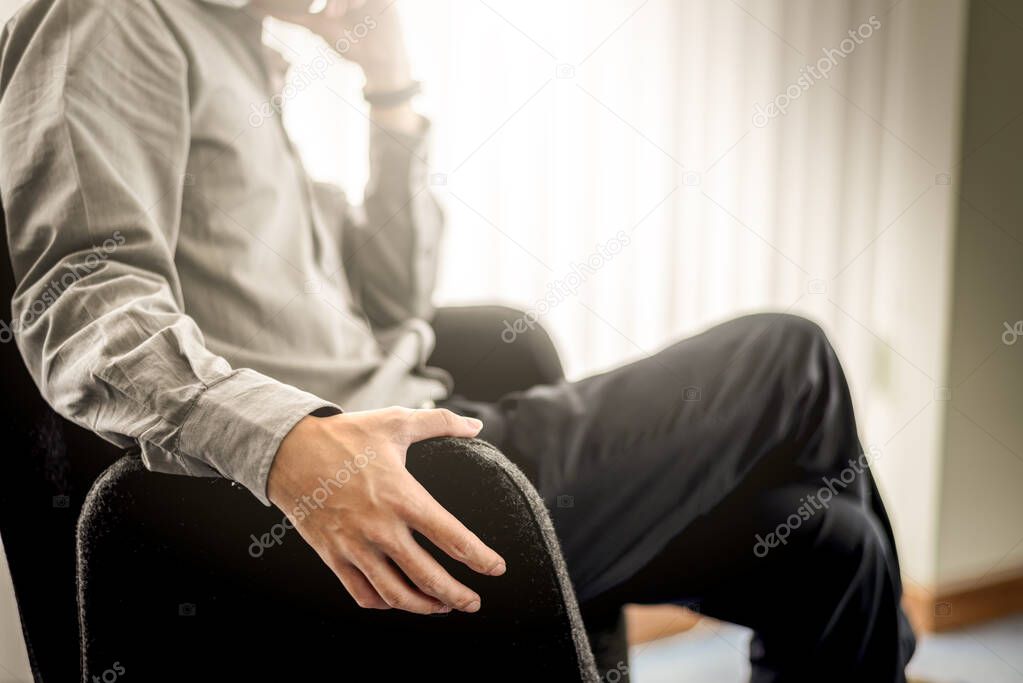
(633, 171)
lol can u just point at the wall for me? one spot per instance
(906, 316)
(981, 513)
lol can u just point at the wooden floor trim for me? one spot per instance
(930, 612)
(956, 607)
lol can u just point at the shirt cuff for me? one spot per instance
(397, 141)
(399, 158)
(238, 422)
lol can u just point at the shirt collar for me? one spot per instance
(252, 27)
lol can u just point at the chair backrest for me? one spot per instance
(48, 466)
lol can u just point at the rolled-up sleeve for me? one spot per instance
(391, 243)
(95, 135)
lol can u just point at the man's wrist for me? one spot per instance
(277, 483)
(401, 119)
(392, 98)
(387, 78)
(236, 425)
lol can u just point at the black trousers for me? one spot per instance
(725, 473)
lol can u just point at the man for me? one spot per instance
(184, 286)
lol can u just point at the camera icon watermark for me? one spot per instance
(692, 394)
(564, 71)
(691, 179)
(565, 501)
(438, 179)
(62, 501)
(186, 609)
(817, 286)
(942, 393)
(943, 179)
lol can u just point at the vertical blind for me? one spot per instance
(560, 126)
(635, 171)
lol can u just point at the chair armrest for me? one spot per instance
(493, 350)
(173, 582)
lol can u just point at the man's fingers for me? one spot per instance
(358, 586)
(394, 589)
(431, 577)
(431, 519)
(351, 578)
(427, 424)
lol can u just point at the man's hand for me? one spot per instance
(367, 32)
(362, 528)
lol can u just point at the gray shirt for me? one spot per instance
(182, 283)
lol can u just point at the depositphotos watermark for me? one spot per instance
(561, 289)
(618, 673)
(1012, 332)
(812, 504)
(73, 273)
(109, 675)
(810, 74)
(313, 501)
(301, 77)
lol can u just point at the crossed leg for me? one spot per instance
(664, 475)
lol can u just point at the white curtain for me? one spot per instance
(561, 126)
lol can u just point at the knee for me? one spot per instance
(800, 349)
(796, 332)
(785, 337)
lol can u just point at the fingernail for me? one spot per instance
(498, 569)
(474, 423)
(473, 606)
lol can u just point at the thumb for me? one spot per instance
(427, 424)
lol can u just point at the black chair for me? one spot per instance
(164, 582)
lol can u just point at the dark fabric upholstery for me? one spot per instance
(483, 365)
(48, 467)
(223, 612)
(51, 464)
